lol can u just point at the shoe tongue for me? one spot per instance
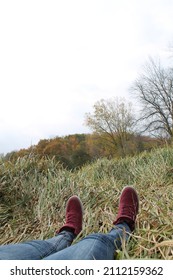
(128, 211)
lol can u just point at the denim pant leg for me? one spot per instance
(36, 249)
(95, 246)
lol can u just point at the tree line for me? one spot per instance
(74, 151)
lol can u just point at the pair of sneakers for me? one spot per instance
(127, 211)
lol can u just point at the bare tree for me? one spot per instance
(113, 120)
(154, 90)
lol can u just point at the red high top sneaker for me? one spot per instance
(74, 215)
(128, 207)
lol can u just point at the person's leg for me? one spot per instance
(36, 249)
(39, 249)
(103, 246)
(95, 246)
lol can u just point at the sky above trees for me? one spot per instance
(57, 58)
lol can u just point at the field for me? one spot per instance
(34, 192)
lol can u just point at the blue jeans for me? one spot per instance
(94, 246)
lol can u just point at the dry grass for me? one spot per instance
(33, 195)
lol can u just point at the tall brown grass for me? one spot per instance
(34, 192)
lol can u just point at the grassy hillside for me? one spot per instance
(33, 195)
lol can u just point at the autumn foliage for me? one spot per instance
(74, 151)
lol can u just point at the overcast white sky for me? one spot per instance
(57, 58)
